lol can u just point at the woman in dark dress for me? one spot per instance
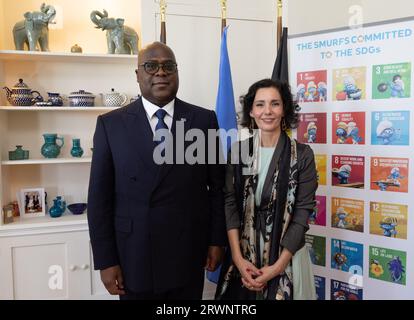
(269, 196)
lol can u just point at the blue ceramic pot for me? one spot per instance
(58, 207)
(55, 99)
(76, 150)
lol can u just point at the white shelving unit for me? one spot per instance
(46, 161)
(31, 226)
(13, 55)
(62, 241)
(63, 73)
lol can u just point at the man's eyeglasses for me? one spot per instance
(153, 67)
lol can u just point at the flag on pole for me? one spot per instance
(226, 112)
(281, 67)
(225, 106)
(163, 34)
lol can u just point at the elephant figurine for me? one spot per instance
(34, 29)
(121, 39)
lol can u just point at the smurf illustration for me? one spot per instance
(322, 91)
(396, 269)
(397, 87)
(311, 93)
(310, 134)
(341, 132)
(343, 173)
(388, 224)
(341, 214)
(386, 132)
(395, 175)
(393, 180)
(351, 89)
(353, 132)
(300, 95)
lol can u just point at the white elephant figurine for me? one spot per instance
(34, 29)
(121, 39)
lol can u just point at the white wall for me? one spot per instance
(1, 27)
(302, 16)
(193, 31)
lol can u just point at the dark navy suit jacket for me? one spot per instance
(155, 221)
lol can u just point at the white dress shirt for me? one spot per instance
(151, 109)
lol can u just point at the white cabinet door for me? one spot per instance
(47, 266)
(97, 289)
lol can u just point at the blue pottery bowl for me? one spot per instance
(77, 208)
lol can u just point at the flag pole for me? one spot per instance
(279, 22)
(223, 14)
(163, 36)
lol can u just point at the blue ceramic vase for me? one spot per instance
(76, 150)
(58, 207)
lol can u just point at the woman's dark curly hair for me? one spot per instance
(290, 108)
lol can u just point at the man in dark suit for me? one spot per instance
(154, 228)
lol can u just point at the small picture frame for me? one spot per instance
(8, 214)
(32, 203)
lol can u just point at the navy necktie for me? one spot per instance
(160, 114)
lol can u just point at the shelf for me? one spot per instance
(57, 109)
(15, 55)
(45, 161)
(67, 219)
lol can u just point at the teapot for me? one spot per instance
(22, 95)
(114, 99)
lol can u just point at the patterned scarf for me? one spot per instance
(277, 218)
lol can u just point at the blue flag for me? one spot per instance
(225, 106)
(226, 112)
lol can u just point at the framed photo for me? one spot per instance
(32, 203)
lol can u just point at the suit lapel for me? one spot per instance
(140, 133)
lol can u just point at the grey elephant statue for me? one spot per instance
(121, 39)
(34, 29)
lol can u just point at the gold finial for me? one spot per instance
(223, 9)
(163, 7)
(279, 8)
